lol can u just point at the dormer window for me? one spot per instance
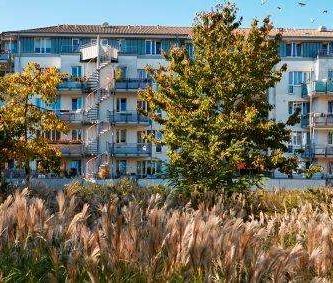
(293, 49)
(42, 45)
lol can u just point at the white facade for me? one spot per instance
(311, 91)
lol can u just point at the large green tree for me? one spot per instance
(216, 104)
(22, 123)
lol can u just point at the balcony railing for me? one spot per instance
(323, 150)
(130, 149)
(322, 119)
(4, 57)
(317, 88)
(70, 149)
(69, 49)
(132, 84)
(72, 85)
(90, 51)
(69, 116)
(130, 117)
(325, 53)
(316, 150)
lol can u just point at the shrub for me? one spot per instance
(288, 240)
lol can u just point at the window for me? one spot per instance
(77, 71)
(76, 103)
(143, 105)
(76, 135)
(75, 41)
(76, 44)
(42, 45)
(296, 79)
(159, 138)
(141, 136)
(104, 41)
(148, 167)
(330, 75)
(293, 105)
(153, 47)
(149, 47)
(121, 105)
(325, 48)
(93, 41)
(142, 74)
(121, 136)
(297, 138)
(52, 135)
(330, 107)
(121, 167)
(294, 49)
(75, 167)
(158, 47)
(330, 138)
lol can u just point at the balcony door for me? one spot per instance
(121, 136)
(121, 168)
(76, 103)
(121, 105)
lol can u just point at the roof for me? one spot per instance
(144, 30)
(108, 30)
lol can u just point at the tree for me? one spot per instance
(22, 123)
(216, 104)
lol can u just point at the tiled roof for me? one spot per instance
(156, 30)
(109, 29)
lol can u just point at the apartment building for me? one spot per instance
(106, 128)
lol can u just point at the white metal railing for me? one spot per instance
(90, 51)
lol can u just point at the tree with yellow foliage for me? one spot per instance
(22, 122)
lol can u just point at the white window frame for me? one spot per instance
(153, 50)
(294, 49)
(118, 104)
(44, 44)
(297, 138)
(121, 136)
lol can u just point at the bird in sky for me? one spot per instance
(312, 20)
(279, 8)
(263, 2)
(325, 11)
(301, 4)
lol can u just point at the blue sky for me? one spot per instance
(19, 14)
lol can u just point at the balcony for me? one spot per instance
(323, 151)
(133, 84)
(130, 149)
(298, 90)
(69, 116)
(106, 52)
(324, 53)
(70, 85)
(130, 117)
(70, 149)
(322, 120)
(319, 88)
